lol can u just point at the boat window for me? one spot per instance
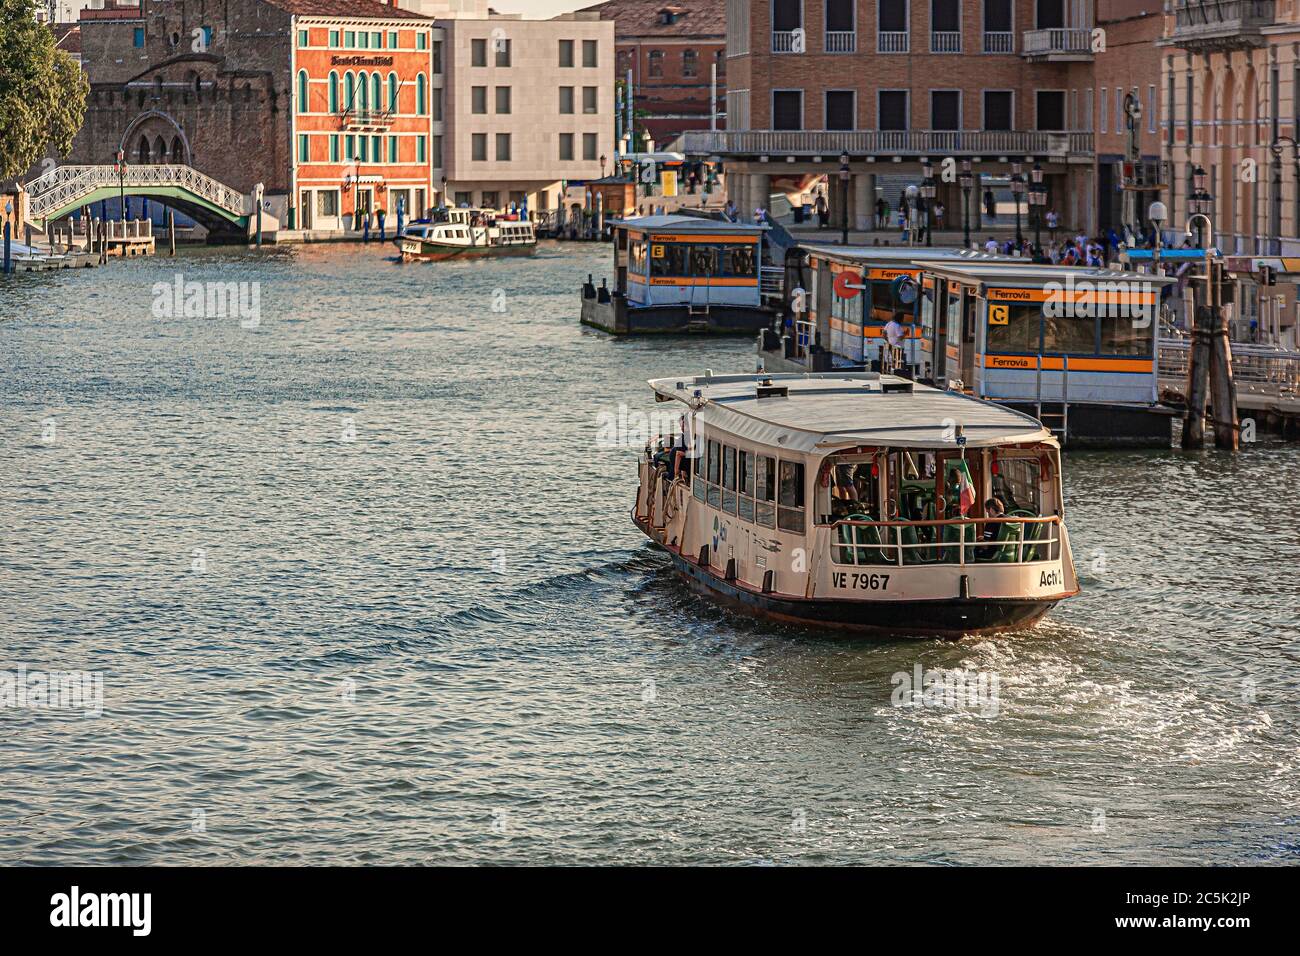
(739, 261)
(790, 510)
(714, 469)
(852, 490)
(1017, 486)
(927, 306)
(1013, 326)
(954, 318)
(728, 479)
(765, 491)
(745, 504)
(849, 309)
(704, 260)
(1120, 335)
(636, 256)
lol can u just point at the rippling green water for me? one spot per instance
(443, 640)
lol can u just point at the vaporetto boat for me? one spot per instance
(858, 501)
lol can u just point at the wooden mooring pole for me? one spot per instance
(171, 231)
(1223, 391)
(1198, 363)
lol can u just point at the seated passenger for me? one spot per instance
(992, 509)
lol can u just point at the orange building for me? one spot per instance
(364, 133)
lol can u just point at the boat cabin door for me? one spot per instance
(969, 318)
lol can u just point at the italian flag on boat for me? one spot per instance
(965, 487)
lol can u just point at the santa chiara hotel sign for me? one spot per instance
(361, 61)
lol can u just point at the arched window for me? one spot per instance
(421, 95)
(334, 92)
(376, 96)
(178, 151)
(349, 90)
(363, 90)
(302, 91)
(160, 150)
(392, 92)
(142, 152)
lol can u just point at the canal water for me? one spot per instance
(358, 578)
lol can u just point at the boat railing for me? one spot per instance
(803, 337)
(1021, 539)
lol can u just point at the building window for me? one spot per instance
(945, 26)
(566, 53)
(503, 147)
(566, 146)
(997, 109)
(502, 48)
(392, 39)
(945, 109)
(302, 38)
(690, 63)
(999, 33)
(566, 99)
(437, 152)
(349, 90)
(589, 99)
(478, 52)
(437, 104)
(437, 55)
(334, 92)
(503, 99)
(327, 202)
(376, 97)
(422, 42)
(1151, 107)
(363, 90)
(1051, 109)
(589, 146)
(334, 147)
(304, 148)
(589, 53)
(787, 109)
(364, 40)
(376, 40)
(1049, 14)
(840, 112)
(421, 95)
(420, 147)
(364, 142)
(478, 99)
(138, 36)
(1102, 101)
(350, 39)
(891, 18)
(655, 62)
(392, 149)
(1169, 101)
(392, 92)
(478, 146)
(349, 147)
(302, 91)
(892, 111)
(334, 38)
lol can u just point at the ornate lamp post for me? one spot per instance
(1199, 203)
(1017, 190)
(927, 195)
(966, 179)
(603, 157)
(844, 199)
(1037, 199)
(1277, 146)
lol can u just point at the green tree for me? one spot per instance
(42, 91)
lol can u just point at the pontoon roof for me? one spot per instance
(686, 224)
(1027, 275)
(905, 253)
(830, 410)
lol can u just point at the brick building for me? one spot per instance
(670, 47)
(888, 82)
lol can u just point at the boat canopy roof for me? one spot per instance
(686, 225)
(1025, 275)
(818, 413)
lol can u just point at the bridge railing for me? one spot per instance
(1256, 369)
(63, 185)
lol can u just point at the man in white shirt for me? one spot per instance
(991, 246)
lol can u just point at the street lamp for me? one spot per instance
(602, 165)
(1277, 146)
(913, 212)
(966, 179)
(1199, 202)
(927, 198)
(1037, 199)
(1017, 190)
(844, 199)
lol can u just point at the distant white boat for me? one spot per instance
(467, 232)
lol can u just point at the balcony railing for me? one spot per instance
(787, 41)
(366, 119)
(892, 41)
(828, 144)
(1221, 24)
(1065, 42)
(999, 42)
(841, 41)
(945, 41)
